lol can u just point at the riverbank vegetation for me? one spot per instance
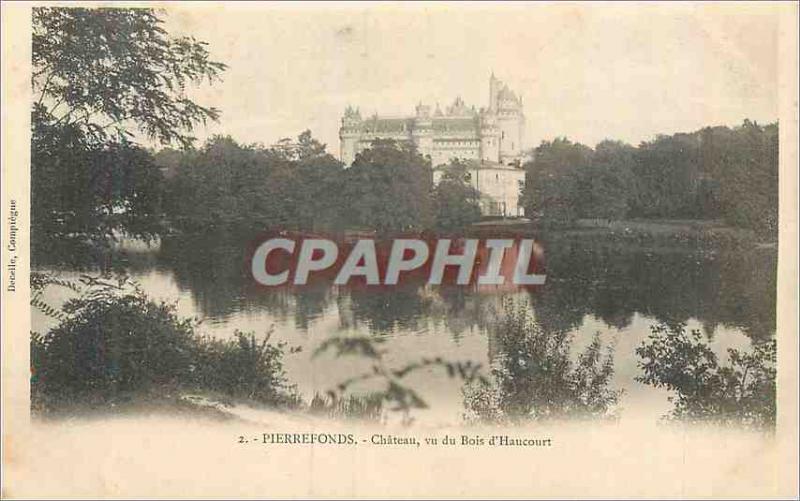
(741, 392)
(113, 346)
(535, 378)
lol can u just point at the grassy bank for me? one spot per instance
(640, 232)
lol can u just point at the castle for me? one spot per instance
(489, 139)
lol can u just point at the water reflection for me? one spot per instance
(555, 368)
(732, 287)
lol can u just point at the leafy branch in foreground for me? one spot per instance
(100, 71)
(85, 287)
(394, 390)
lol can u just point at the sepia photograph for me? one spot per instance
(385, 250)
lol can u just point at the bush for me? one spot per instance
(455, 202)
(114, 345)
(535, 378)
(243, 368)
(367, 407)
(742, 392)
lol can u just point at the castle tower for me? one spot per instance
(494, 86)
(422, 132)
(507, 108)
(490, 137)
(349, 135)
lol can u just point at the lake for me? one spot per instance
(594, 288)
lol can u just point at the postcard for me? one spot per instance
(385, 250)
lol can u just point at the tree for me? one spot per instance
(555, 189)
(317, 180)
(455, 202)
(303, 148)
(100, 77)
(610, 180)
(667, 171)
(747, 170)
(388, 188)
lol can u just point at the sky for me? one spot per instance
(585, 71)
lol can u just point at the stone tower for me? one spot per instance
(422, 133)
(349, 134)
(507, 110)
(490, 136)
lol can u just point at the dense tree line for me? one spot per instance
(716, 172)
(298, 185)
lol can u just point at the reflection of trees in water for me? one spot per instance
(215, 271)
(535, 377)
(729, 287)
(734, 287)
(385, 309)
(461, 309)
(741, 392)
(454, 309)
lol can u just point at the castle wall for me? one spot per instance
(490, 146)
(444, 150)
(348, 147)
(510, 127)
(499, 187)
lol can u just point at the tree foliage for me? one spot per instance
(455, 201)
(101, 78)
(610, 180)
(716, 172)
(554, 183)
(741, 392)
(535, 377)
(228, 185)
(102, 72)
(388, 188)
(296, 184)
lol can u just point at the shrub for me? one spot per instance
(114, 344)
(535, 378)
(368, 407)
(742, 392)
